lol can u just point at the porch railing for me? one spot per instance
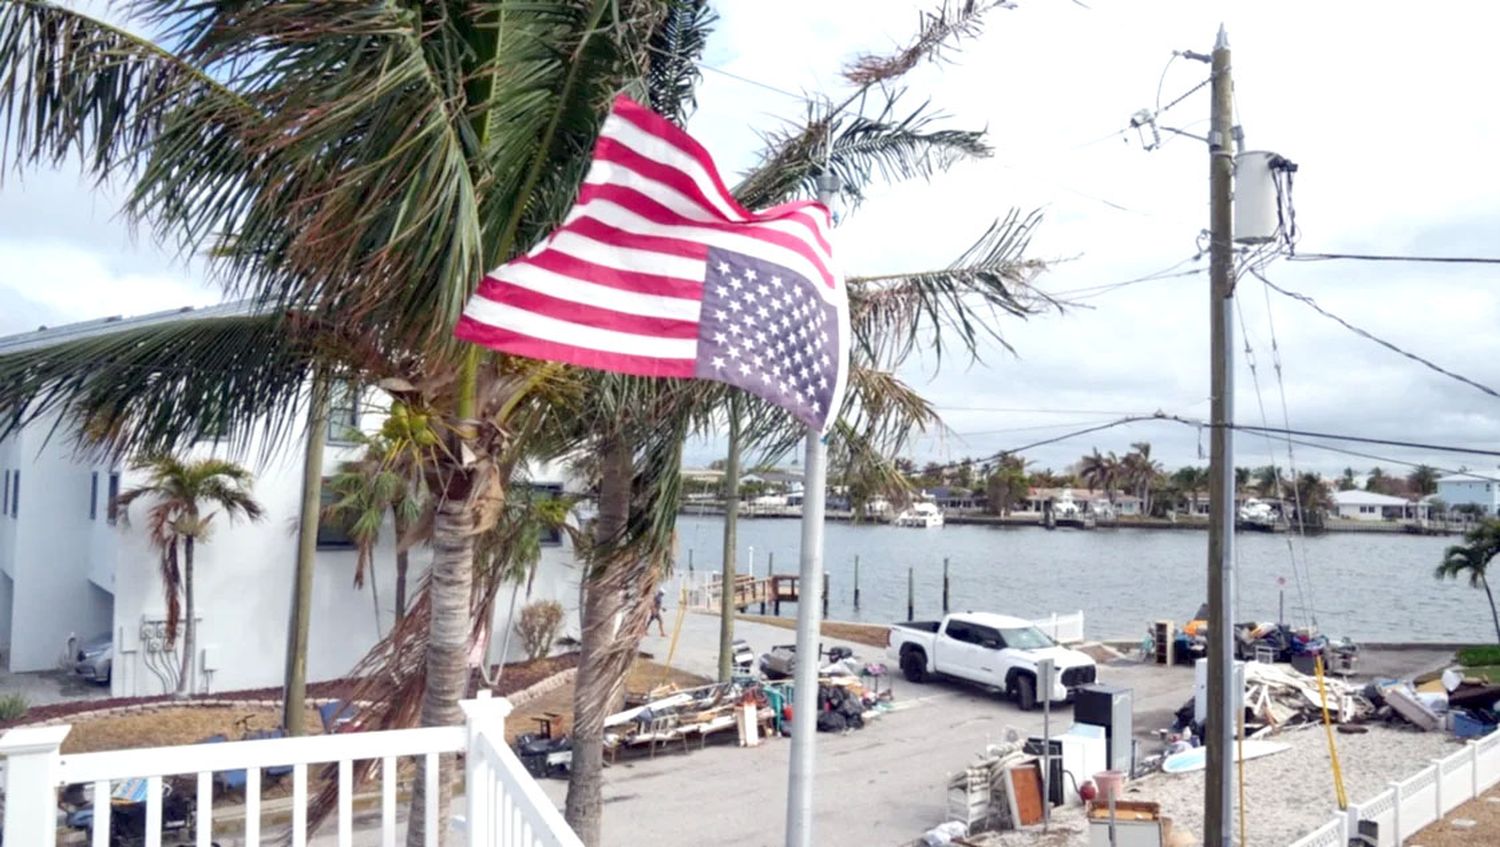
(504, 806)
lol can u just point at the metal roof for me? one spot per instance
(1356, 497)
(46, 336)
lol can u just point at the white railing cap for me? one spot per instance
(33, 739)
(486, 707)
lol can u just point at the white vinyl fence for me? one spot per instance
(1406, 806)
(505, 807)
(1064, 629)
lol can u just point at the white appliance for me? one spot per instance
(1200, 688)
(1081, 751)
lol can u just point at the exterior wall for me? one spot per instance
(45, 549)
(1476, 492)
(1354, 512)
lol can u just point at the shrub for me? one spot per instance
(538, 627)
(1475, 657)
(13, 707)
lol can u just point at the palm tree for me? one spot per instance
(1346, 480)
(1378, 481)
(386, 479)
(1422, 480)
(1472, 559)
(1139, 470)
(1268, 481)
(185, 497)
(1242, 479)
(1101, 472)
(1191, 480)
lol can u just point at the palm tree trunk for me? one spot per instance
(375, 597)
(190, 630)
(449, 589)
(1493, 613)
(398, 522)
(610, 633)
(294, 709)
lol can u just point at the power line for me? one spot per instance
(1415, 445)
(1372, 337)
(1370, 257)
(1376, 458)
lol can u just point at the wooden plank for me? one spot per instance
(1026, 788)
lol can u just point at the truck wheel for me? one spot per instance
(914, 666)
(1025, 693)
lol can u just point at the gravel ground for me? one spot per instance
(1475, 822)
(1287, 794)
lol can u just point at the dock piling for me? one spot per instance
(911, 590)
(856, 583)
(945, 585)
(825, 595)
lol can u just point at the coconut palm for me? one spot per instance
(184, 498)
(1140, 471)
(259, 135)
(1346, 480)
(1191, 480)
(1269, 481)
(1472, 559)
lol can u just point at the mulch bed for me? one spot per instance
(517, 676)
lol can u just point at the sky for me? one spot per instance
(1378, 104)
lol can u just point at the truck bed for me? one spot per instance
(924, 626)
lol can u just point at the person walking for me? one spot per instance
(656, 605)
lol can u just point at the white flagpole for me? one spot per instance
(799, 799)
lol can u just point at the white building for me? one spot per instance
(1368, 506)
(71, 569)
(1467, 489)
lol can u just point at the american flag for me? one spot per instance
(658, 271)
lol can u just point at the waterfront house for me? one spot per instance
(1359, 505)
(73, 568)
(1468, 489)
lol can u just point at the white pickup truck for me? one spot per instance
(994, 650)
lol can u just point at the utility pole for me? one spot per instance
(731, 525)
(1220, 722)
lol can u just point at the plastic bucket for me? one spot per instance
(1110, 783)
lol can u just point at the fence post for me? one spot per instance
(484, 724)
(31, 759)
(1437, 786)
(1396, 814)
(690, 561)
(1473, 768)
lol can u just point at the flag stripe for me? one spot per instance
(625, 258)
(508, 293)
(586, 289)
(523, 322)
(647, 160)
(580, 268)
(599, 230)
(632, 211)
(519, 344)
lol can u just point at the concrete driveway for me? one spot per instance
(882, 785)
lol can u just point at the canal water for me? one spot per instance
(1367, 586)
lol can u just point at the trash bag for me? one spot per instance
(833, 721)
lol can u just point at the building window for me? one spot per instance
(343, 413)
(94, 496)
(112, 508)
(332, 535)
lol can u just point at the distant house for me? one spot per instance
(952, 497)
(1359, 505)
(1466, 489)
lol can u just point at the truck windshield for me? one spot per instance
(1028, 638)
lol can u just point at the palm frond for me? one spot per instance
(160, 387)
(890, 145)
(893, 314)
(676, 46)
(936, 31)
(73, 85)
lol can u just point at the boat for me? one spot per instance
(920, 514)
(1067, 512)
(1258, 516)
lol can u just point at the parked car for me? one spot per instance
(994, 650)
(96, 659)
